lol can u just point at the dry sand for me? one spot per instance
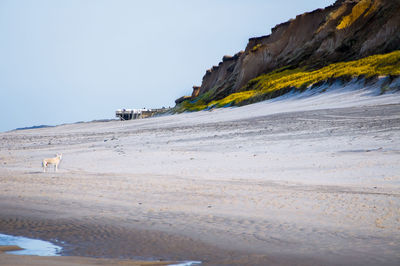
(313, 181)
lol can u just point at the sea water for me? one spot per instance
(187, 263)
(30, 246)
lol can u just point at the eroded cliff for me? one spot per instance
(345, 31)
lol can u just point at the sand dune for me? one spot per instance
(310, 180)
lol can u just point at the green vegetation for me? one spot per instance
(256, 47)
(359, 9)
(280, 81)
(333, 16)
(198, 104)
(372, 9)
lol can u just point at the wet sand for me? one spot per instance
(9, 248)
(105, 238)
(18, 260)
(244, 186)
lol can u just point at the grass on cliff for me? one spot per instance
(362, 7)
(280, 81)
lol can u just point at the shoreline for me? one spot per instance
(28, 260)
(105, 241)
(104, 238)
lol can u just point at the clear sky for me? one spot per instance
(80, 60)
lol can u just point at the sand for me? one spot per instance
(9, 248)
(15, 260)
(300, 180)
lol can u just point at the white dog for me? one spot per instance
(55, 161)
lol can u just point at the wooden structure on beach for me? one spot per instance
(129, 114)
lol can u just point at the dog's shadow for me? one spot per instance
(35, 172)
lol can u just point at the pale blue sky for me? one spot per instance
(79, 60)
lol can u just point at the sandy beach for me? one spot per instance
(295, 181)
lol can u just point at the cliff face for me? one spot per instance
(346, 30)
